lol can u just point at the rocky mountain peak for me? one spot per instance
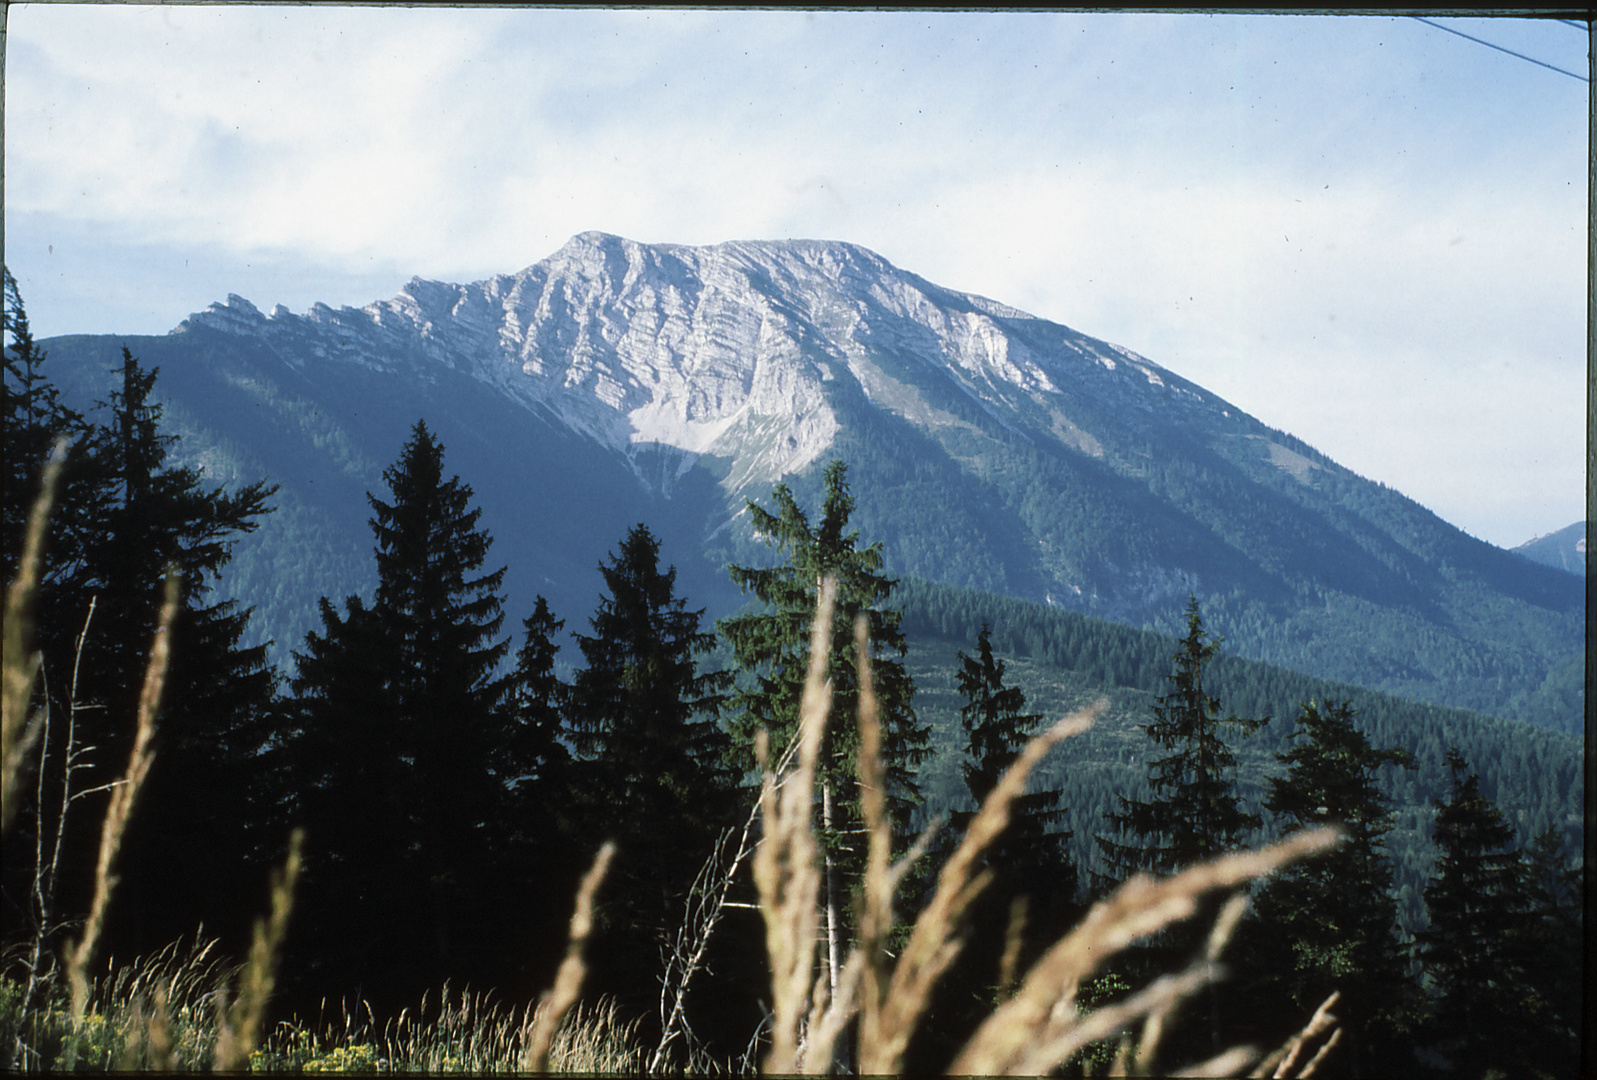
(736, 350)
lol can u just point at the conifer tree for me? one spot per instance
(442, 618)
(1195, 813)
(774, 643)
(32, 418)
(1330, 923)
(538, 698)
(997, 728)
(542, 827)
(641, 715)
(352, 762)
(1033, 882)
(772, 648)
(403, 715)
(157, 515)
(1555, 952)
(650, 770)
(1487, 1014)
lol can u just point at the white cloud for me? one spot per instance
(1287, 210)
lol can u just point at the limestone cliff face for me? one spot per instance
(727, 350)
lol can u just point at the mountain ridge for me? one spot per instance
(988, 449)
(1563, 548)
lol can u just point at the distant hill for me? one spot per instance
(1565, 549)
(617, 382)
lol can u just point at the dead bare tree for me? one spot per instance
(706, 903)
(684, 956)
(46, 870)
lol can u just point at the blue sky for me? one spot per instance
(1363, 230)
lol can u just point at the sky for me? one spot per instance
(1367, 231)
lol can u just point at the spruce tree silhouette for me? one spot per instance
(1194, 814)
(1486, 1011)
(403, 716)
(650, 768)
(1330, 923)
(1031, 900)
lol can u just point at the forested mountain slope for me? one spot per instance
(1063, 660)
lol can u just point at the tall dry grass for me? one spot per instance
(459, 1032)
(156, 1012)
(168, 1013)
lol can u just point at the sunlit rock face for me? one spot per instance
(731, 351)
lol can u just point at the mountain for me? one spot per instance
(1565, 549)
(617, 382)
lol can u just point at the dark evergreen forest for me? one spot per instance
(453, 767)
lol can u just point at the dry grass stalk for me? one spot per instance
(239, 1026)
(18, 730)
(1285, 1060)
(936, 937)
(876, 918)
(829, 1017)
(786, 870)
(786, 863)
(1159, 1021)
(596, 1041)
(1225, 924)
(1042, 1012)
(1226, 1063)
(1319, 1055)
(568, 980)
(122, 796)
(1014, 937)
(1153, 1002)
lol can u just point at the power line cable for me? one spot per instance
(1583, 27)
(1499, 48)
